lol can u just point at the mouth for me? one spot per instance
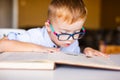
(67, 44)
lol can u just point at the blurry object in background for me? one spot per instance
(5, 31)
(32, 13)
(102, 46)
(118, 35)
(90, 39)
(109, 49)
(105, 40)
(110, 43)
(6, 13)
(110, 14)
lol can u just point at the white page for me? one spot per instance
(80, 60)
(24, 56)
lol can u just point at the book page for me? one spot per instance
(25, 60)
(61, 58)
(23, 56)
(82, 60)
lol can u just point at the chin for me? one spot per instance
(63, 46)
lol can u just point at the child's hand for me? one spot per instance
(92, 52)
(4, 38)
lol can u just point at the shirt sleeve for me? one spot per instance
(33, 35)
(25, 37)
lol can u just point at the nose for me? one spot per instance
(71, 38)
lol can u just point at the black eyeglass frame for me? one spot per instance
(81, 34)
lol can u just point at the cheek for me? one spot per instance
(54, 38)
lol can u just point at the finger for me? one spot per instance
(91, 52)
(88, 54)
(52, 50)
(4, 38)
(98, 53)
(102, 54)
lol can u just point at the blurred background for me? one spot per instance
(103, 22)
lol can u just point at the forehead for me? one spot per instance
(60, 24)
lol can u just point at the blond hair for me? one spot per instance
(68, 10)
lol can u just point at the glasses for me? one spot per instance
(66, 36)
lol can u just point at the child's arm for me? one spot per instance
(92, 52)
(12, 45)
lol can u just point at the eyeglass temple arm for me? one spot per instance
(83, 29)
(53, 29)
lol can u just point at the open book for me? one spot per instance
(36, 60)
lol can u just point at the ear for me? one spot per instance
(47, 25)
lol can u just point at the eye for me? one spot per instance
(63, 33)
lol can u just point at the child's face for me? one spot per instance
(61, 27)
